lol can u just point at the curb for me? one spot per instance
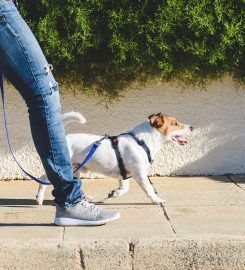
(180, 253)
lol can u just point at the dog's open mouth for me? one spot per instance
(180, 140)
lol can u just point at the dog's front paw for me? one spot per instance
(39, 200)
(158, 201)
(117, 193)
(114, 193)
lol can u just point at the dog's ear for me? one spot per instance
(156, 120)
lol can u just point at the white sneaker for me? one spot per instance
(84, 213)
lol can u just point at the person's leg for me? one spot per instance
(23, 62)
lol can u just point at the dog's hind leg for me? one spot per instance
(123, 188)
(143, 180)
(41, 190)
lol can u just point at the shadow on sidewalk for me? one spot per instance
(22, 202)
(125, 204)
(27, 225)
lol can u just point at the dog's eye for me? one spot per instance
(174, 124)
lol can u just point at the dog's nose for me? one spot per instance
(191, 128)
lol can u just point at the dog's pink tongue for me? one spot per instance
(182, 140)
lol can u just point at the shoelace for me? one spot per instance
(92, 206)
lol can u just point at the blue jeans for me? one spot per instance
(23, 63)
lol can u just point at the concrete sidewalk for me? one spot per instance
(202, 226)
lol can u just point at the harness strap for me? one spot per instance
(143, 145)
(114, 143)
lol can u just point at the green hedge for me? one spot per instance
(106, 45)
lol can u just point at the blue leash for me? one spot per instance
(87, 158)
(90, 154)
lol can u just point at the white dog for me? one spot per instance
(158, 130)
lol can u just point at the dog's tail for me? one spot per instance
(73, 117)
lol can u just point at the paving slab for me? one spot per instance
(134, 223)
(22, 192)
(210, 220)
(21, 218)
(199, 191)
(29, 223)
(203, 205)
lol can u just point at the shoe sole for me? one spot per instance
(80, 222)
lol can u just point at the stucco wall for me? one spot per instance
(215, 147)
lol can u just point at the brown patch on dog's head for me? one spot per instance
(168, 125)
(156, 120)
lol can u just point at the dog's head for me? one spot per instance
(170, 128)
